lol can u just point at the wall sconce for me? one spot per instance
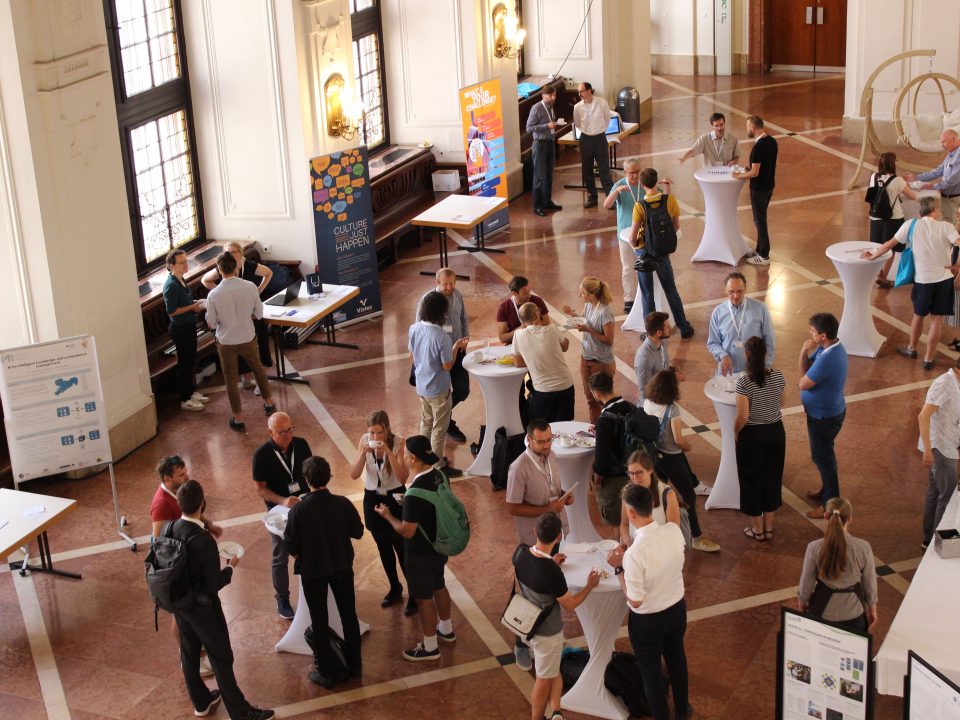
(508, 37)
(344, 115)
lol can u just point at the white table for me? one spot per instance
(927, 619)
(857, 332)
(500, 385)
(461, 212)
(19, 528)
(576, 466)
(635, 318)
(722, 241)
(293, 641)
(726, 487)
(601, 615)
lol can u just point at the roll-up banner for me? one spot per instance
(481, 108)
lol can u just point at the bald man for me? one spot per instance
(625, 193)
(945, 177)
(278, 473)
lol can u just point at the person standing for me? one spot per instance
(424, 565)
(508, 312)
(625, 194)
(884, 228)
(541, 123)
(733, 322)
(946, 176)
(203, 625)
(231, 309)
(939, 422)
(666, 505)
(823, 363)
(718, 147)
(540, 347)
(457, 326)
(182, 310)
(278, 473)
(641, 231)
(839, 578)
(318, 535)
(609, 469)
(592, 116)
(433, 354)
(761, 441)
(762, 176)
(651, 577)
(598, 328)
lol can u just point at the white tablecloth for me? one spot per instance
(857, 331)
(722, 241)
(726, 488)
(601, 615)
(927, 619)
(635, 318)
(500, 385)
(576, 465)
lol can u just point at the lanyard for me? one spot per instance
(718, 144)
(516, 309)
(288, 468)
(733, 319)
(539, 553)
(547, 472)
(547, 108)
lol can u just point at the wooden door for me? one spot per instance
(831, 34)
(808, 34)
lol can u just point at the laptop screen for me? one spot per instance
(613, 127)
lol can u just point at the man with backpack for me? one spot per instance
(424, 563)
(202, 624)
(656, 224)
(609, 466)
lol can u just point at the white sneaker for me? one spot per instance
(758, 260)
(702, 489)
(197, 397)
(705, 544)
(247, 384)
(206, 670)
(256, 391)
(191, 405)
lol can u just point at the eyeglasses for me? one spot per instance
(543, 442)
(288, 431)
(636, 473)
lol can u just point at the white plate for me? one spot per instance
(606, 545)
(278, 521)
(572, 322)
(586, 442)
(230, 549)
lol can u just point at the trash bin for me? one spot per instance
(628, 104)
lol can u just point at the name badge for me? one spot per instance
(738, 344)
(448, 328)
(293, 488)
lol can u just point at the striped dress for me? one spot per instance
(764, 400)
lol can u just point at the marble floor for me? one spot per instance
(88, 650)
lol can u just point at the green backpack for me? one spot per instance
(453, 525)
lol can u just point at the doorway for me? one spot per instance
(807, 35)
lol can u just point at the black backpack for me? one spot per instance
(659, 235)
(636, 430)
(622, 678)
(338, 648)
(166, 571)
(879, 199)
(506, 449)
(572, 663)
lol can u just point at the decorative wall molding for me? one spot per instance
(551, 8)
(71, 69)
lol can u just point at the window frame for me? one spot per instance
(521, 57)
(141, 108)
(369, 22)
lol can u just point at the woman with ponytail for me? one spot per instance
(839, 579)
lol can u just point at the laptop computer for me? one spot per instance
(287, 296)
(613, 127)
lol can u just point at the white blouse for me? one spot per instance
(377, 476)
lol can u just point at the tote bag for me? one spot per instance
(907, 268)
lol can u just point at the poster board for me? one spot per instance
(481, 112)
(824, 671)
(53, 407)
(343, 226)
(928, 694)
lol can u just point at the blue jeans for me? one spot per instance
(665, 273)
(822, 433)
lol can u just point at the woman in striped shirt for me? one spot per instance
(761, 442)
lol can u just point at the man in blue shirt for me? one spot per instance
(946, 176)
(734, 322)
(823, 362)
(625, 193)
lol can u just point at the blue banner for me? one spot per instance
(343, 223)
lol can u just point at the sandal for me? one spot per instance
(759, 537)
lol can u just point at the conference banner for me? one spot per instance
(481, 110)
(343, 225)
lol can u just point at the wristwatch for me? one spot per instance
(618, 570)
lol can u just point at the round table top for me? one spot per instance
(716, 174)
(276, 519)
(570, 427)
(492, 369)
(584, 557)
(849, 252)
(722, 389)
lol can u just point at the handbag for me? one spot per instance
(907, 269)
(684, 518)
(521, 616)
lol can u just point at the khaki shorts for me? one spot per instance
(608, 498)
(546, 654)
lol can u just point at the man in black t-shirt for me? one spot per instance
(609, 472)
(278, 472)
(762, 175)
(423, 565)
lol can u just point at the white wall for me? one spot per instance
(685, 29)
(552, 32)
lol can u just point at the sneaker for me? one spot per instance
(200, 398)
(907, 352)
(705, 544)
(928, 364)
(269, 410)
(758, 260)
(256, 391)
(455, 433)
(205, 668)
(191, 405)
(627, 307)
(702, 489)
(924, 544)
(688, 333)
(256, 713)
(522, 655)
(247, 384)
(447, 637)
(420, 653)
(591, 202)
(284, 609)
(557, 715)
(323, 681)
(212, 707)
(450, 471)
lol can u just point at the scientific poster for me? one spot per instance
(481, 111)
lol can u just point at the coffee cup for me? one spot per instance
(478, 355)
(566, 441)
(374, 444)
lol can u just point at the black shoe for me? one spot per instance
(237, 426)
(627, 307)
(928, 364)
(323, 681)
(688, 334)
(284, 609)
(269, 410)
(411, 608)
(391, 597)
(474, 448)
(356, 673)
(591, 202)
(455, 433)
(552, 206)
(541, 213)
(256, 713)
(451, 472)
(211, 706)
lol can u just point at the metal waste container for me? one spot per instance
(628, 104)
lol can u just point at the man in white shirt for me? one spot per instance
(718, 147)
(539, 347)
(591, 116)
(651, 577)
(932, 293)
(939, 437)
(231, 309)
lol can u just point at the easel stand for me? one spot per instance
(121, 519)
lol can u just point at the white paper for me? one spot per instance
(31, 511)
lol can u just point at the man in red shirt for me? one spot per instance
(508, 313)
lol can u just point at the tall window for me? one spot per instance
(521, 71)
(368, 65)
(156, 127)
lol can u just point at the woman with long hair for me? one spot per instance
(662, 394)
(761, 441)
(839, 578)
(384, 470)
(666, 505)
(597, 328)
(882, 229)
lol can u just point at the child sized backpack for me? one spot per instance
(878, 198)
(166, 571)
(660, 235)
(453, 525)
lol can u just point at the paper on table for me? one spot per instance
(36, 510)
(4, 523)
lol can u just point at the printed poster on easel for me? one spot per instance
(481, 110)
(824, 672)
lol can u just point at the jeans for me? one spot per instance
(184, 338)
(943, 480)
(315, 593)
(279, 571)
(544, 158)
(665, 273)
(593, 148)
(759, 200)
(822, 433)
(659, 635)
